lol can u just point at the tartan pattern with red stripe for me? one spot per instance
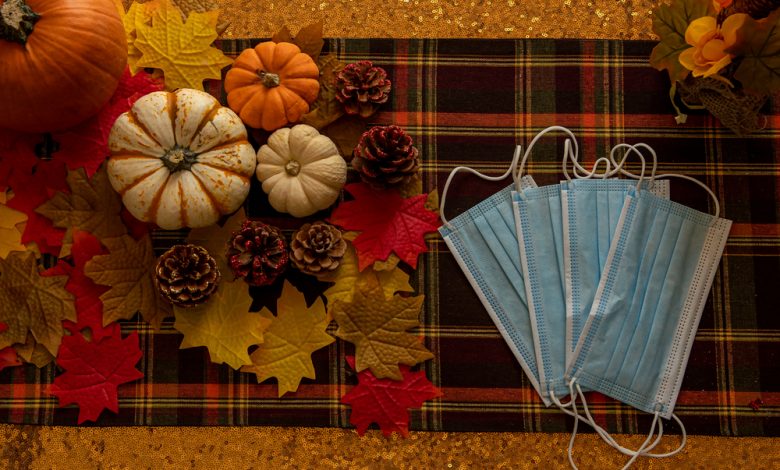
(469, 102)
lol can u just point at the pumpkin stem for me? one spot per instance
(292, 168)
(268, 79)
(16, 21)
(45, 149)
(179, 158)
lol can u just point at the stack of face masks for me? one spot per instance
(596, 284)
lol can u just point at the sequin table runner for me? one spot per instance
(469, 102)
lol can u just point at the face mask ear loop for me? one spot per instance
(605, 436)
(643, 447)
(704, 186)
(635, 148)
(567, 149)
(467, 169)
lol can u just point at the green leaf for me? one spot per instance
(758, 42)
(670, 23)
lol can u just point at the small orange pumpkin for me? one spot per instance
(61, 61)
(272, 85)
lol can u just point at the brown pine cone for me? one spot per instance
(257, 253)
(362, 88)
(317, 248)
(385, 156)
(187, 275)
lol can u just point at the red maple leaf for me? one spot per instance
(388, 222)
(386, 401)
(93, 371)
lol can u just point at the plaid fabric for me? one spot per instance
(469, 102)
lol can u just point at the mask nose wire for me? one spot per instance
(483, 176)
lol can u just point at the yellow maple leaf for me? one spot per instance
(295, 333)
(137, 14)
(181, 50)
(92, 206)
(31, 302)
(378, 329)
(10, 221)
(348, 277)
(128, 270)
(215, 238)
(33, 352)
(223, 325)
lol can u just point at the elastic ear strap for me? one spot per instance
(593, 172)
(694, 180)
(635, 149)
(567, 148)
(455, 170)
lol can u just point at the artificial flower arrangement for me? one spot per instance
(721, 55)
(86, 188)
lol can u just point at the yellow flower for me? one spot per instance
(708, 54)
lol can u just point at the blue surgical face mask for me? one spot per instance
(484, 244)
(591, 208)
(635, 343)
(539, 226)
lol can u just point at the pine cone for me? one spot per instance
(187, 275)
(385, 156)
(362, 88)
(317, 248)
(257, 253)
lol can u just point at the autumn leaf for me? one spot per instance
(283, 35)
(378, 326)
(326, 108)
(137, 14)
(181, 50)
(33, 352)
(295, 333)
(89, 307)
(347, 278)
(387, 402)
(223, 325)
(267, 296)
(92, 206)
(93, 372)
(388, 222)
(9, 358)
(31, 302)
(758, 42)
(670, 23)
(215, 239)
(345, 132)
(10, 235)
(309, 40)
(127, 270)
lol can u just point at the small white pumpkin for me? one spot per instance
(180, 159)
(301, 170)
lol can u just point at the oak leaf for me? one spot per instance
(295, 333)
(128, 271)
(32, 302)
(181, 50)
(223, 324)
(387, 402)
(378, 329)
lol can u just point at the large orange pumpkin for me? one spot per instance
(272, 85)
(60, 61)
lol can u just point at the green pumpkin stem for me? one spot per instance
(17, 21)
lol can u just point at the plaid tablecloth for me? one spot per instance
(469, 102)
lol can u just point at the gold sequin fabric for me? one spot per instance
(282, 448)
(268, 447)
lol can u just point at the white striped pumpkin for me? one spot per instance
(180, 159)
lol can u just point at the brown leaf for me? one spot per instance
(345, 132)
(283, 35)
(92, 206)
(413, 187)
(33, 352)
(31, 302)
(309, 39)
(128, 270)
(326, 109)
